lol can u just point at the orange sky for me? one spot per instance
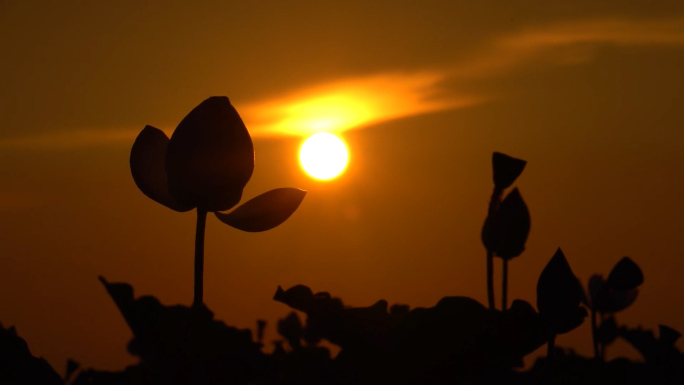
(589, 94)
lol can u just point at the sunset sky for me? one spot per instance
(422, 92)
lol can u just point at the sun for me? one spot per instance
(323, 156)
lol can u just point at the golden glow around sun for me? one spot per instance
(323, 156)
(349, 104)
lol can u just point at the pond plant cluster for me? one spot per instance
(206, 164)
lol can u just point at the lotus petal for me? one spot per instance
(210, 157)
(147, 167)
(265, 211)
(511, 226)
(506, 170)
(559, 294)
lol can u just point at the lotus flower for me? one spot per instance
(206, 165)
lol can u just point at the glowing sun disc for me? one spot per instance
(323, 156)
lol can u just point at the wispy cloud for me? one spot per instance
(363, 101)
(506, 53)
(352, 103)
(69, 139)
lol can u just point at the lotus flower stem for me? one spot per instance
(490, 279)
(504, 286)
(493, 205)
(602, 345)
(199, 258)
(551, 346)
(593, 334)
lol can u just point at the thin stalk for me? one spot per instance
(504, 286)
(550, 348)
(493, 206)
(199, 258)
(490, 279)
(593, 334)
(603, 346)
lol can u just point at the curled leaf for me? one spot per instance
(506, 170)
(667, 335)
(605, 299)
(616, 300)
(626, 275)
(559, 294)
(265, 211)
(298, 297)
(71, 367)
(147, 167)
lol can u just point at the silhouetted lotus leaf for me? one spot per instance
(148, 169)
(183, 345)
(298, 297)
(626, 275)
(559, 294)
(398, 312)
(525, 329)
(265, 211)
(607, 332)
(457, 338)
(349, 328)
(71, 367)
(462, 340)
(667, 335)
(122, 294)
(506, 170)
(603, 299)
(17, 364)
(505, 232)
(291, 328)
(655, 351)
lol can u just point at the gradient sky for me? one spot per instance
(591, 95)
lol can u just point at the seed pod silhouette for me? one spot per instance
(506, 170)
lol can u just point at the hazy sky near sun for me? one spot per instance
(590, 93)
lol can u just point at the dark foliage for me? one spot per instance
(457, 341)
(19, 366)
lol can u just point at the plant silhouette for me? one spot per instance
(457, 341)
(507, 225)
(205, 166)
(607, 297)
